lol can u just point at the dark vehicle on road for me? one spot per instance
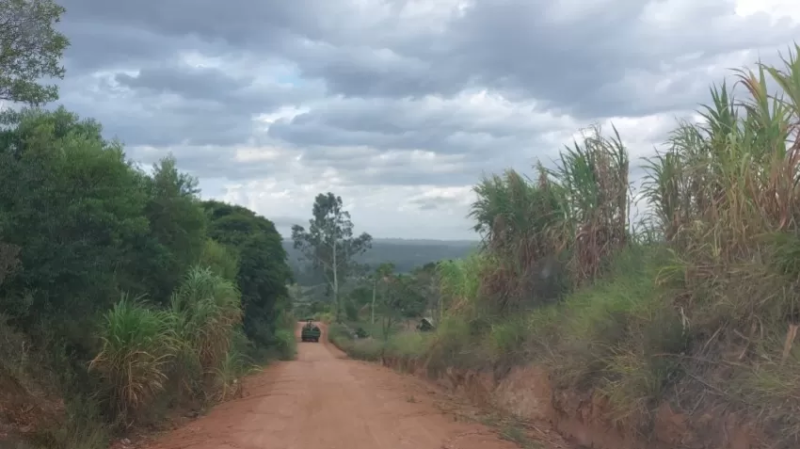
(310, 332)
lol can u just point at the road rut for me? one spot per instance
(323, 400)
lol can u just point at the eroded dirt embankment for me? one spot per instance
(323, 400)
(584, 418)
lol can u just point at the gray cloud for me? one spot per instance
(574, 59)
(434, 203)
(393, 92)
(444, 128)
(173, 103)
(97, 45)
(200, 83)
(240, 94)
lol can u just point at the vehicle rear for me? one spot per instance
(310, 332)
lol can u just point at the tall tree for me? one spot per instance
(398, 301)
(30, 49)
(263, 274)
(328, 244)
(177, 224)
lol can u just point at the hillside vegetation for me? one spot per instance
(123, 296)
(695, 307)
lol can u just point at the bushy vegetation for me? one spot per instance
(122, 294)
(132, 285)
(695, 306)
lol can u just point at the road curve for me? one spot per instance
(323, 400)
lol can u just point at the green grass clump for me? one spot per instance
(83, 427)
(138, 345)
(339, 333)
(285, 343)
(193, 349)
(232, 368)
(369, 348)
(409, 345)
(206, 309)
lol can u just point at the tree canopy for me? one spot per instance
(263, 272)
(30, 49)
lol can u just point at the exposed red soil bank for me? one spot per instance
(585, 419)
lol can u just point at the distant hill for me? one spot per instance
(405, 254)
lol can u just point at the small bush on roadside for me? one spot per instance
(286, 343)
(138, 345)
(339, 334)
(206, 310)
(362, 349)
(408, 344)
(365, 349)
(231, 370)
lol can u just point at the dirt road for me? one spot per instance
(324, 400)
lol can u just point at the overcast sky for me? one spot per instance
(399, 106)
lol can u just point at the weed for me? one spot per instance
(83, 428)
(206, 310)
(138, 345)
(517, 434)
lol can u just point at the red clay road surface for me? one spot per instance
(323, 400)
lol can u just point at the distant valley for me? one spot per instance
(404, 254)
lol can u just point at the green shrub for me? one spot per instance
(362, 349)
(138, 345)
(235, 365)
(409, 345)
(506, 339)
(339, 334)
(365, 349)
(83, 427)
(220, 259)
(286, 345)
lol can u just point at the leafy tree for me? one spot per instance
(426, 286)
(75, 207)
(30, 49)
(351, 310)
(398, 301)
(222, 260)
(177, 226)
(329, 244)
(263, 272)
(361, 295)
